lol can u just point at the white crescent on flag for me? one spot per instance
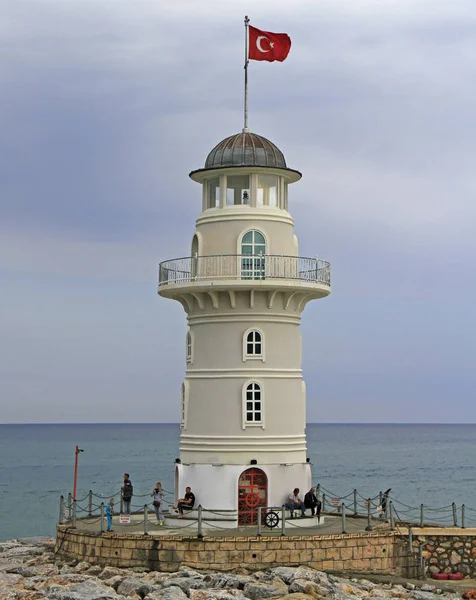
(258, 43)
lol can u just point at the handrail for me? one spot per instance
(244, 267)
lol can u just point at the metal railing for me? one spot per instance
(244, 267)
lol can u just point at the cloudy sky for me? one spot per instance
(106, 105)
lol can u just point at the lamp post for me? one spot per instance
(78, 450)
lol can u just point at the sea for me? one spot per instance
(433, 465)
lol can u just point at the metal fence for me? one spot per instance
(244, 267)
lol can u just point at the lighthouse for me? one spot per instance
(243, 287)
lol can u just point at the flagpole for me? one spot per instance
(245, 128)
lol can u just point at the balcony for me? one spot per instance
(291, 271)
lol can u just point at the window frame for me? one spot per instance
(245, 422)
(247, 356)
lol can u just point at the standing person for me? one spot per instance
(158, 502)
(383, 514)
(310, 500)
(294, 502)
(127, 492)
(109, 514)
(186, 502)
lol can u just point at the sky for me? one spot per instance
(107, 105)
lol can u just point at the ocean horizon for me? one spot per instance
(430, 463)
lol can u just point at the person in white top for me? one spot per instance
(294, 502)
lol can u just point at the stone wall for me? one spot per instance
(451, 550)
(360, 552)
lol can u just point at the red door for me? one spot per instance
(252, 493)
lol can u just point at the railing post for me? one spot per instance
(343, 518)
(283, 520)
(146, 520)
(410, 540)
(318, 490)
(369, 518)
(380, 496)
(90, 503)
(102, 517)
(61, 513)
(455, 516)
(421, 562)
(70, 504)
(463, 516)
(392, 521)
(355, 503)
(258, 531)
(122, 505)
(323, 502)
(200, 524)
(73, 520)
(422, 519)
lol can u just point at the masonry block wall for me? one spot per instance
(361, 552)
(451, 550)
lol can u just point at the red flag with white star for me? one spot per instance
(264, 45)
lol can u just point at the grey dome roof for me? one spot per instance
(245, 150)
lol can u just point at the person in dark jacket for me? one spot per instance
(311, 501)
(127, 492)
(186, 502)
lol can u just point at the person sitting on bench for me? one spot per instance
(186, 502)
(294, 502)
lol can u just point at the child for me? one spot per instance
(158, 500)
(109, 513)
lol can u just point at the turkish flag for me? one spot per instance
(264, 45)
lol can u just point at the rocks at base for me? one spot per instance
(271, 587)
(30, 570)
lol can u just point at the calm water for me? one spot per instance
(433, 464)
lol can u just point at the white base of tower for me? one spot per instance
(218, 490)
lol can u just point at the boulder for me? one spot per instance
(304, 586)
(229, 581)
(233, 594)
(469, 594)
(134, 585)
(286, 574)
(114, 581)
(88, 590)
(170, 593)
(109, 572)
(185, 583)
(94, 570)
(271, 588)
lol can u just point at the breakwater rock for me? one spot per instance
(30, 570)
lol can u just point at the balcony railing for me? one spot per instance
(244, 267)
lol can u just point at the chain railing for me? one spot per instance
(244, 267)
(377, 510)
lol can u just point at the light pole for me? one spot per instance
(78, 450)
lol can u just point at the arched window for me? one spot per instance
(253, 251)
(253, 413)
(253, 345)
(189, 347)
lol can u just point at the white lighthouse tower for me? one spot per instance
(243, 288)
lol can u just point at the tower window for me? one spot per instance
(189, 349)
(253, 405)
(253, 345)
(237, 189)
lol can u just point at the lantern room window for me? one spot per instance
(267, 190)
(237, 190)
(213, 195)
